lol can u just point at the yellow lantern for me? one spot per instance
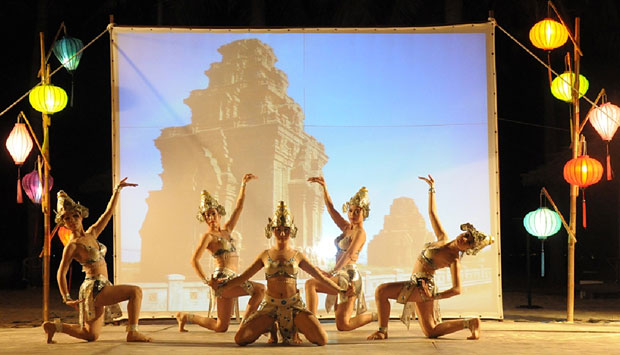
(561, 86)
(548, 34)
(47, 98)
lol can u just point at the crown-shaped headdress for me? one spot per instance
(361, 200)
(66, 204)
(481, 240)
(207, 201)
(281, 218)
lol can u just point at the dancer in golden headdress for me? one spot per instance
(98, 298)
(345, 272)
(218, 240)
(282, 304)
(420, 289)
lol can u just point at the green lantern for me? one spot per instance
(65, 50)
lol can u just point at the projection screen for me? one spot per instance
(196, 109)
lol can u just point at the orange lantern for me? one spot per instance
(19, 145)
(583, 171)
(548, 34)
(64, 234)
(605, 120)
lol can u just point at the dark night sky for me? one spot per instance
(533, 128)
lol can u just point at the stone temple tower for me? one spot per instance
(402, 237)
(243, 122)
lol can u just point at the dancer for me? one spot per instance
(345, 272)
(217, 239)
(282, 304)
(420, 289)
(98, 298)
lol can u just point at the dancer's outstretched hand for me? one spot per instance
(124, 183)
(429, 180)
(318, 179)
(247, 177)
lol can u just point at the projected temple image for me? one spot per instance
(196, 110)
(243, 122)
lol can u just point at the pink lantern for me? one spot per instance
(34, 186)
(605, 120)
(19, 145)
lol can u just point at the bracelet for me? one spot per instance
(243, 184)
(431, 190)
(66, 298)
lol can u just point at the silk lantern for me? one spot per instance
(548, 34)
(19, 145)
(561, 86)
(542, 223)
(583, 171)
(47, 98)
(65, 50)
(33, 185)
(605, 120)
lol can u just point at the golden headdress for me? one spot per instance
(207, 201)
(66, 204)
(281, 218)
(481, 240)
(361, 200)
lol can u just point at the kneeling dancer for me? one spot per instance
(420, 289)
(282, 303)
(98, 297)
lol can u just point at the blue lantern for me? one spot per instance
(65, 50)
(542, 223)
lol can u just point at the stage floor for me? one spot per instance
(498, 337)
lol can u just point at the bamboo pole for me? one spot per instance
(574, 189)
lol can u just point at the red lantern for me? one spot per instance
(583, 171)
(605, 120)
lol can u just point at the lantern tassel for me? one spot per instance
(20, 197)
(72, 86)
(608, 164)
(583, 207)
(542, 258)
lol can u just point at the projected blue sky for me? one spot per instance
(387, 107)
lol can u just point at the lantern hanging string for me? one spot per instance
(108, 28)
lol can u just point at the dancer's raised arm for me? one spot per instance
(234, 216)
(97, 227)
(440, 233)
(334, 214)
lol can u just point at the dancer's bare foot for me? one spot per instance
(296, 338)
(135, 336)
(181, 319)
(474, 327)
(378, 336)
(50, 330)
